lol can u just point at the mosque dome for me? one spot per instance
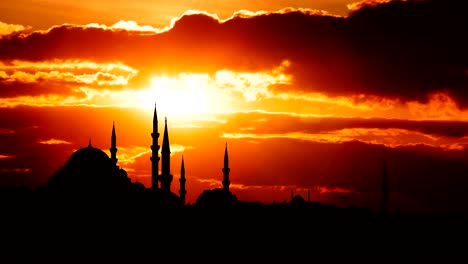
(216, 198)
(88, 170)
(89, 157)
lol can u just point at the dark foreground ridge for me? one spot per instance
(296, 229)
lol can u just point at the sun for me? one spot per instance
(182, 95)
(186, 95)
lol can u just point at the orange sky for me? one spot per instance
(309, 95)
(157, 13)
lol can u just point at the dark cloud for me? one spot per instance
(400, 49)
(411, 48)
(417, 181)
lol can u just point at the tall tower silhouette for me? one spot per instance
(113, 148)
(384, 189)
(155, 152)
(166, 176)
(182, 191)
(226, 170)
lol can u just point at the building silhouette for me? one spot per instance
(90, 172)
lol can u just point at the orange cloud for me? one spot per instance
(393, 133)
(392, 138)
(7, 29)
(364, 3)
(53, 141)
(126, 156)
(307, 11)
(337, 57)
(387, 137)
(41, 101)
(58, 82)
(184, 93)
(440, 106)
(324, 189)
(285, 122)
(84, 72)
(128, 26)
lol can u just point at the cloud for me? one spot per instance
(7, 29)
(126, 156)
(53, 141)
(60, 77)
(128, 26)
(392, 138)
(277, 123)
(366, 3)
(176, 148)
(381, 50)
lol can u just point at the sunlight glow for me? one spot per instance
(178, 96)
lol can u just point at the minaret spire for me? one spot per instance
(113, 148)
(165, 144)
(155, 119)
(166, 177)
(226, 157)
(182, 191)
(155, 152)
(89, 144)
(226, 170)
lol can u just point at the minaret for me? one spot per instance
(182, 180)
(113, 148)
(226, 170)
(155, 152)
(166, 177)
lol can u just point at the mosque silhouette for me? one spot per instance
(90, 173)
(90, 181)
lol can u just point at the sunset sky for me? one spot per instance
(309, 95)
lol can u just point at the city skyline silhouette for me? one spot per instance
(319, 118)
